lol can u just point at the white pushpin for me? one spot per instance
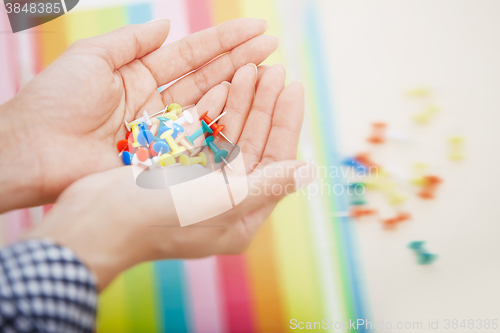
(144, 119)
(186, 117)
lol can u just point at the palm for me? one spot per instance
(102, 81)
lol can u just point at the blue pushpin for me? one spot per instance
(423, 256)
(162, 127)
(162, 130)
(145, 137)
(177, 129)
(203, 129)
(163, 121)
(219, 154)
(161, 147)
(351, 162)
(127, 158)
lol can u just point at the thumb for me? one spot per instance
(122, 46)
(271, 183)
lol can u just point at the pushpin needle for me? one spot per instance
(227, 164)
(215, 120)
(225, 137)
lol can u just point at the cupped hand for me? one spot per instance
(112, 223)
(65, 123)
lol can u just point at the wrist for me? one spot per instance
(20, 184)
(102, 246)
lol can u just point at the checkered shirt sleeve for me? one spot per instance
(45, 288)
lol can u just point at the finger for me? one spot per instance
(254, 137)
(213, 102)
(260, 71)
(269, 184)
(121, 46)
(287, 123)
(191, 88)
(140, 90)
(179, 58)
(239, 102)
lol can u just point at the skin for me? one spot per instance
(69, 118)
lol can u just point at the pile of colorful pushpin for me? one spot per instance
(161, 140)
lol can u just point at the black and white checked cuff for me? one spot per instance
(45, 288)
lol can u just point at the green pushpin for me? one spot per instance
(357, 198)
(203, 129)
(219, 154)
(423, 256)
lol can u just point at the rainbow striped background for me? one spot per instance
(303, 263)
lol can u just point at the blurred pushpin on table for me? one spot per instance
(456, 144)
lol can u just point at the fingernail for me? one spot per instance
(159, 19)
(265, 22)
(304, 176)
(278, 64)
(226, 83)
(254, 66)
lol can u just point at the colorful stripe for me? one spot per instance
(7, 81)
(263, 279)
(176, 11)
(16, 222)
(235, 293)
(112, 315)
(204, 291)
(141, 299)
(344, 228)
(170, 280)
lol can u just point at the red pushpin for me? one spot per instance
(400, 217)
(357, 212)
(430, 185)
(122, 145)
(365, 159)
(378, 133)
(142, 154)
(214, 126)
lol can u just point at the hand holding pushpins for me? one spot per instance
(102, 81)
(269, 154)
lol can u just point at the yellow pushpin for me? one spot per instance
(419, 92)
(419, 171)
(394, 196)
(166, 160)
(456, 148)
(135, 132)
(171, 116)
(200, 159)
(425, 116)
(176, 150)
(174, 108)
